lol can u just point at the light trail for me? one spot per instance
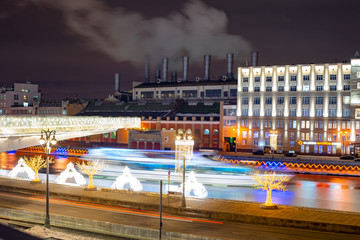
(114, 209)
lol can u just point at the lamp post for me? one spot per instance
(184, 151)
(45, 143)
(343, 136)
(273, 141)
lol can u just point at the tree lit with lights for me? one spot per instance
(36, 163)
(269, 181)
(91, 168)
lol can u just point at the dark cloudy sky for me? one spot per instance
(74, 47)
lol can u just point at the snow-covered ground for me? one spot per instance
(43, 232)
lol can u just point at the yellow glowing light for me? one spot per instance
(269, 181)
(91, 168)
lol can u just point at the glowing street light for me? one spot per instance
(45, 143)
(184, 151)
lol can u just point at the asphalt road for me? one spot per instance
(149, 219)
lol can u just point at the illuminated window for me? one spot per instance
(358, 74)
(216, 132)
(256, 134)
(346, 112)
(113, 135)
(244, 134)
(306, 88)
(25, 98)
(244, 112)
(206, 132)
(106, 135)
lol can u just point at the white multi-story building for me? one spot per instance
(19, 99)
(313, 108)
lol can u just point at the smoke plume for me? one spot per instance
(124, 35)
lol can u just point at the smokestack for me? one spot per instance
(186, 68)
(165, 62)
(254, 59)
(230, 62)
(147, 69)
(117, 82)
(158, 73)
(174, 76)
(207, 60)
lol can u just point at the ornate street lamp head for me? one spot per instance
(42, 140)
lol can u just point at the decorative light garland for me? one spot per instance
(127, 178)
(33, 125)
(192, 185)
(70, 172)
(21, 167)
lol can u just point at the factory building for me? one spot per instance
(306, 108)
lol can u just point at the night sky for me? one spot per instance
(74, 47)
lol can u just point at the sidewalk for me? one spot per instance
(215, 209)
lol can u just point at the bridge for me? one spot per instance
(21, 132)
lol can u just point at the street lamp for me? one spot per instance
(45, 143)
(184, 151)
(343, 136)
(273, 141)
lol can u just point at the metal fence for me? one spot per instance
(93, 226)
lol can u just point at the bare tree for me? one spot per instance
(269, 181)
(90, 168)
(36, 163)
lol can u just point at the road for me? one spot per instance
(318, 191)
(149, 219)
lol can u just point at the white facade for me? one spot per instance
(312, 106)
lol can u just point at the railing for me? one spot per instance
(93, 225)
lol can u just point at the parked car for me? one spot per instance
(347, 157)
(258, 152)
(290, 154)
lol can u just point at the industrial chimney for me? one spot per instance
(230, 62)
(254, 59)
(147, 69)
(158, 73)
(174, 76)
(207, 60)
(186, 68)
(117, 82)
(165, 62)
